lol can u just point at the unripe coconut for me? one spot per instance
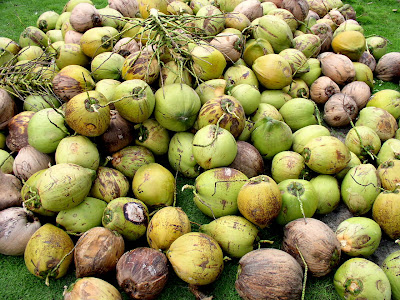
(214, 147)
(377, 46)
(234, 234)
(314, 73)
(153, 136)
(109, 184)
(387, 99)
(328, 192)
(48, 253)
(211, 89)
(298, 88)
(339, 68)
(196, 258)
(47, 21)
(226, 111)
(134, 100)
(84, 16)
(236, 20)
(273, 71)
(166, 225)
(33, 36)
(29, 53)
(255, 48)
(171, 73)
(9, 50)
(286, 16)
(367, 59)
(354, 161)
(107, 88)
(37, 102)
(73, 185)
(380, 120)
(271, 137)
(239, 74)
(145, 181)
(390, 150)
(312, 240)
(287, 165)
(275, 30)
(130, 158)
(363, 73)
(361, 278)
(208, 62)
(128, 216)
(6, 162)
(246, 133)
(363, 141)
(391, 268)
(326, 155)
(84, 216)
(176, 106)
(179, 8)
(298, 113)
(248, 96)
(297, 60)
(266, 110)
(340, 110)
(141, 65)
(88, 113)
(71, 81)
(276, 98)
(359, 90)
(308, 43)
(46, 129)
(215, 191)
(28, 161)
(69, 6)
(211, 20)
(389, 174)
(142, 273)
(248, 160)
(98, 40)
(266, 272)
(259, 200)
(91, 287)
(180, 154)
(387, 68)
(385, 211)
(107, 65)
(359, 236)
(70, 54)
(360, 187)
(322, 89)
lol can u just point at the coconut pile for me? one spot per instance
(266, 111)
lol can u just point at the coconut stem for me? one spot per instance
(303, 292)
(301, 205)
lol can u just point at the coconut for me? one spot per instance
(367, 59)
(255, 48)
(252, 9)
(286, 16)
(340, 110)
(216, 191)
(380, 120)
(248, 96)
(322, 89)
(308, 43)
(313, 241)
(107, 88)
(359, 236)
(33, 36)
(299, 9)
(234, 234)
(297, 60)
(390, 150)
(84, 16)
(359, 277)
(126, 46)
(298, 113)
(166, 225)
(385, 211)
(210, 20)
(387, 99)
(127, 8)
(91, 287)
(258, 273)
(230, 43)
(363, 141)
(107, 65)
(171, 73)
(259, 200)
(339, 68)
(359, 90)
(71, 54)
(130, 158)
(140, 65)
(236, 20)
(275, 98)
(388, 174)
(314, 73)
(109, 184)
(152, 135)
(377, 46)
(354, 161)
(287, 165)
(363, 73)
(98, 40)
(240, 74)
(390, 267)
(208, 62)
(271, 137)
(326, 155)
(8, 108)
(179, 8)
(388, 68)
(274, 30)
(360, 187)
(248, 160)
(279, 72)
(180, 154)
(211, 89)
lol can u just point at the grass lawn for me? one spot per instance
(377, 18)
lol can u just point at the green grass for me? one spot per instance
(377, 17)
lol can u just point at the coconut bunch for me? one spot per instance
(106, 109)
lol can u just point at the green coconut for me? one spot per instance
(210, 89)
(33, 36)
(354, 161)
(266, 110)
(363, 141)
(276, 98)
(239, 74)
(350, 43)
(298, 88)
(255, 48)
(380, 120)
(248, 96)
(314, 73)
(271, 137)
(385, 212)
(377, 46)
(308, 43)
(180, 154)
(38, 102)
(287, 165)
(391, 268)
(142, 65)
(359, 236)
(328, 190)
(387, 99)
(130, 158)
(359, 188)
(303, 135)
(299, 113)
(97, 40)
(359, 278)
(215, 191)
(390, 150)
(107, 65)
(208, 62)
(299, 200)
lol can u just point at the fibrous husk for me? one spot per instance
(11, 191)
(299, 8)
(338, 67)
(84, 16)
(322, 89)
(339, 110)
(128, 8)
(388, 67)
(8, 108)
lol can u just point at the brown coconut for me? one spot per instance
(322, 89)
(360, 91)
(338, 67)
(299, 8)
(17, 137)
(339, 110)
(248, 160)
(388, 67)
(84, 16)
(8, 108)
